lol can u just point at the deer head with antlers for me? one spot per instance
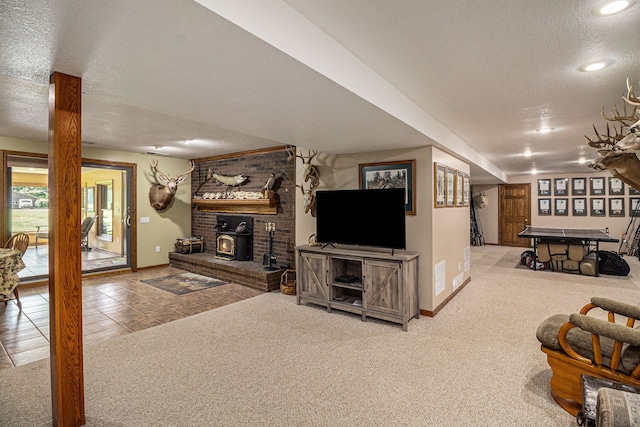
(309, 170)
(161, 195)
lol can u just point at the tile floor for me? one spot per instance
(111, 306)
(36, 261)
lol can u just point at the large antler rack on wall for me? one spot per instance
(617, 151)
(310, 175)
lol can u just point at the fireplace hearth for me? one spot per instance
(234, 238)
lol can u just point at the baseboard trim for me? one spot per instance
(449, 298)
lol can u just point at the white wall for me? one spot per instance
(437, 234)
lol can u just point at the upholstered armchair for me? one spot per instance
(583, 343)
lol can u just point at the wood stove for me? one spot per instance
(234, 238)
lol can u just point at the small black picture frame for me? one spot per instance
(579, 206)
(596, 186)
(561, 206)
(561, 186)
(598, 207)
(544, 206)
(544, 187)
(633, 191)
(616, 207)
(616, 186)
(634, 206)
(578, 186)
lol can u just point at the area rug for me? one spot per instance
(184, 283)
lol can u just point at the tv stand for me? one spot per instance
(368, 283)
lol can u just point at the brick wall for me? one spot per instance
(257, 167)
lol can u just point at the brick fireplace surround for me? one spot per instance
(257, 165)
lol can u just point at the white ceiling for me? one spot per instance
(476, 78)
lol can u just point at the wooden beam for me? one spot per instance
(65, 266)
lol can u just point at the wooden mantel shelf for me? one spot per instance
(256, 206)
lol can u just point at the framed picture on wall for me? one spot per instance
(466, 192)
(579, 206)
(544, 187)
(544, 206)
(439, 185)
(633, 191)
(596, 186)
(616, 186)
(396, 174)
(597, 206)
(616, 206)
(561, 206)
(451, 186)
(561, 187)
(578, 186)
(459, 188)
(634, 206)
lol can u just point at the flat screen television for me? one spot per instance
(361, 217)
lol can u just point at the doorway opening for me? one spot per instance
(107, 198)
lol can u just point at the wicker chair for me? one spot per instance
(19, 241)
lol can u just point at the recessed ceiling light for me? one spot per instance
(527, 152)
(595, 66)
(611, 7)
(534, 171)
(544, 130)
(582, 160)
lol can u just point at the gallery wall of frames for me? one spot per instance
(596, 196)
(451, 187)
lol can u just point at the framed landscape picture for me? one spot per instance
(616, 206)
(466, 192)
(399, 174)
(544, 206)
(579, 206)
(578, 186)
(451, 186)
(597, 206)
(459, 188)
(561, 186)
(439, 185)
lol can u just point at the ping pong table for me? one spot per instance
(586, 237)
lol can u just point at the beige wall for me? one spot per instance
(163, 227)
(437, 234)
(488, 216)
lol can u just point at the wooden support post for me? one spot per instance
(65, 266)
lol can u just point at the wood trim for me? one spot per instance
(257, 206)
(446, 301)
(242, 154)
(65, 264)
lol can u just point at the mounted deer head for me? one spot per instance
(309, 170)
(161, 195)
(308, 196)
(623, 165)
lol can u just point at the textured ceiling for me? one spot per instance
(474, 78)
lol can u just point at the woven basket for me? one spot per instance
(288, 282)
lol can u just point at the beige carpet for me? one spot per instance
(267, 361)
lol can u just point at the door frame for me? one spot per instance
(501, 188)
(131, 171)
